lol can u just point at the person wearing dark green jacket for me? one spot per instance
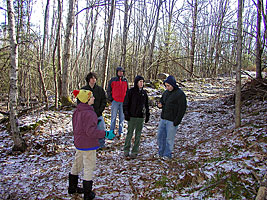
(173, 104)
(100, 102)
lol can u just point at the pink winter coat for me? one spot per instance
(84, 122)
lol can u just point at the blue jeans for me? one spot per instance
(116, 107)
(101, 126)
(165, 137)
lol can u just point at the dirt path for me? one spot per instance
(211, 158)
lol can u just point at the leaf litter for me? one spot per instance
(211, 160)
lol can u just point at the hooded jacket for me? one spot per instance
(136, 101)
(117, 87)
(173, 103)
(171, 80)
(84, 122)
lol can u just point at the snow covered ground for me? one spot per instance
(212, 159)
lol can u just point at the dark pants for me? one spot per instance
(137, 125)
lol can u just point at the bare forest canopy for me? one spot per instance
(68, 39)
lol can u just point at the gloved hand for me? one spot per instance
(110, 135)
(127, 117)
(109, 102)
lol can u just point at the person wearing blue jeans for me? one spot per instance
(117, 88)
(117, 108)
(166, 134)
(173, 104)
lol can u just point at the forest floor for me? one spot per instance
(212, 159)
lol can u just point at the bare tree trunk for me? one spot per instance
(259, 48)
(193, 38)
(168, 33)
(106, 44)
(92, 38)
(19, 143)
(59, 60)
(238, 66)
(125, 33)
(55, 70)
(41, 66)
(151, 53)
(222, 11)
(65, 99)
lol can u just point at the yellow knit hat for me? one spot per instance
(82, 95)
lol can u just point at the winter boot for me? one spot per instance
(88, 193)
(73, 185)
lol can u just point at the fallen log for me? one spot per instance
(262, 192)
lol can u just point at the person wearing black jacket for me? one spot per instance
(99, 103)
(173, 104)
(135, 109)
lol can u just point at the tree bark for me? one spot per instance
(93, 29)
(106, 44)
(193, 38)
(259, 48)
(19, 143)
(59, 60)
(168, 33)
(42, 57)
(151, 53)
(238, 66)
(125, 33)
(57, 44)
(65, 99)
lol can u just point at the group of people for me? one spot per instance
(89, 127)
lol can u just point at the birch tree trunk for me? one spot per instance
(19, 143)
(106, 44)
(238, 66)
(65, 99)
(193, 38)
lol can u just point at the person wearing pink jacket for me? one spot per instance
(86, 142)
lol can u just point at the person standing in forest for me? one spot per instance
(135, 108)
(86, 141)
(173, 104)
(117, 88)
(99, 103)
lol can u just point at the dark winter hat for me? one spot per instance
(138, 78)
(120, 69)
(171, 80)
